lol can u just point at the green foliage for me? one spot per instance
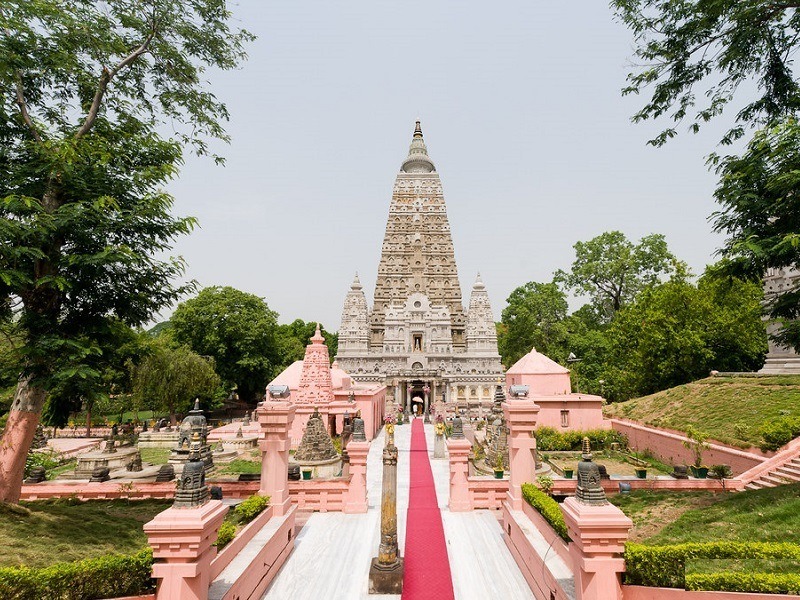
(613, 270)
(250, 508)
(170, 378)
(237, 330)
(757, 193)
(697, 443)
(93, 578)
(765, 583)
(545, 482)
(548, 508)
(665, 566)
(708, 50)
(40, 459)
(227, 531)
(534, 317)
(550, 439)
(779, 432)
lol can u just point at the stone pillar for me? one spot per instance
(182, 540)
(598, 535)
(275, 419)
(458, 447)
(386, 570)
(521, 420)
(356, 501)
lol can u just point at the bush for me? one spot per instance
(250, 508)
(765, 583)
(779, 432)
(665, 566)
(227, 531)
(548, 508)
(549, 439)
(40, 459)
(90, 579)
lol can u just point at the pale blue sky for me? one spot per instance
(522, 114)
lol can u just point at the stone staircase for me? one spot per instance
(785, 471)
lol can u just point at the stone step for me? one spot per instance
(787, 471)
(777, 480)
(761, 483)
(755, 485)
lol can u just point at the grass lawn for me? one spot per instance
(155, 456)
(239, 466)
(48, 532)
(730, 409)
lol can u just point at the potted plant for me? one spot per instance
(499, 470)
(306, 474)
(568, 473)
(545, 483)
(641, 473)
(696, 442)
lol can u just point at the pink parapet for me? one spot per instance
(521, 417)
(459, 450)
(182, 539)
(356, 499)
(275, 419)
(598, 535)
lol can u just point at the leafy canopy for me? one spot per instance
(694, 55)
(238, 330)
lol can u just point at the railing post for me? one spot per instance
(275, 419)
(521, 416)
(458, 448)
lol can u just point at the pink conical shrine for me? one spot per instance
(315, 379)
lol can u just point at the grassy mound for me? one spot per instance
(729, 409)
(42, 533)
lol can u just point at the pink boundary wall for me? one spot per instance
(566, 487)
(668, 446)
(637, 592)
(784, 455)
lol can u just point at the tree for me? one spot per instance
(86, 89)
(758, 193)
(613, 270)
(534, 317)
(238, 330)
(293, 338)
(169, 378)
(721, 45)
(676, 332)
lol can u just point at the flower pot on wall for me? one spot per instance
(641, 473)
(498, 474)
(568, 473)
(306, 475)
(699, 472)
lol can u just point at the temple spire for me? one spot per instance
(418, 160)
(356, 285)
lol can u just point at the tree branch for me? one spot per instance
(23, 109)
(106, 77)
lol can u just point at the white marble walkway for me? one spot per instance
(333, 550)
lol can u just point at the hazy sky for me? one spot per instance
(522, 113)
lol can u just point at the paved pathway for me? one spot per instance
(333, 550)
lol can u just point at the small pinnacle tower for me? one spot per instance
(315, 385)
(417, 334)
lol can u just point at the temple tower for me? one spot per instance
(418, 338)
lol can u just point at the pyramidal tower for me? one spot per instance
(418, 339)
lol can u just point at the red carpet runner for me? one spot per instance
(427, 568)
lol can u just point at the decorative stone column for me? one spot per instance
(357, 449)
(386, 570)
(521, 418)
(598, 531)
(275, 419)
(458, 447)
(182, 536)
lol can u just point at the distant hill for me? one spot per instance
(729, 409)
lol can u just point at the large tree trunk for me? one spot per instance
(18, 437)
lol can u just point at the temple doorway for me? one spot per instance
(417, 405)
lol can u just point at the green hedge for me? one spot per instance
(550, 439)
(779, 432)
(548, 508)
(226, 533)
(90, 579)
(250, 508)
(665, 566)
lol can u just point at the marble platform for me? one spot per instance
(333, 550)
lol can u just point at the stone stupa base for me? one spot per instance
(386, 579)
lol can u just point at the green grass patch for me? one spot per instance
(155, 456)
(54, 531)
(239, 466)
(730, 409)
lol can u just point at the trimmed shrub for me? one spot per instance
(548, 508)
(550, 439)
(765, 583)
(665, 566)
(249, 509)
(227, 531)
(91, 579)
(779, 432)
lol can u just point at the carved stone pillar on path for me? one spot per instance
(459, 447)
(275, 419)
(521, 416)
(386, 570)
(357, 449)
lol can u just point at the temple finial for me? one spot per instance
(356, 285)
(418, 160)
(418, 129)
(317, 339)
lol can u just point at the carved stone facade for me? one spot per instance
(418, 338)
(780, 359)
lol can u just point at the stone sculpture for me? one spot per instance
(589, 490)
